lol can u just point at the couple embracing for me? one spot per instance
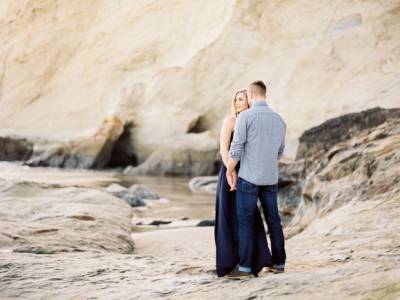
(252, 141)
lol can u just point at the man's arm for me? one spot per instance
(282, 146)
(231, 174)
(281, 149)
(239, 138)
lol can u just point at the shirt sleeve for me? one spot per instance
(239, 138)
(281, 149)
(282, 146)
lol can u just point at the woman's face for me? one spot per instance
(241, 102)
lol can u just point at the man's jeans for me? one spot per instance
(246, 202)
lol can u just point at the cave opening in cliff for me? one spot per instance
(198, 125)
(123, 153)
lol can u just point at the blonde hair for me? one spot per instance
(233, 106)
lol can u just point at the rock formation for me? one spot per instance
(361, 164)
(48, 219)
(167, 71)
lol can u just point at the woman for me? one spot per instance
(226, 226)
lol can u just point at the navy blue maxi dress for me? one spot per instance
(226, 230)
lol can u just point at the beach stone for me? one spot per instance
(135, 195)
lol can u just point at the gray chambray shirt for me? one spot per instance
(258, 143)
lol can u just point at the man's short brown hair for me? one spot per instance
(260, 87)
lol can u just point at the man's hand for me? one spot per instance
(234, 182)
(231, 174)
(232, 179)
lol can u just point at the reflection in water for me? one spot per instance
(182, 202)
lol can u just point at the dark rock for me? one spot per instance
(83, 218)
(6, 265)
(206, 223)
(316, 141)
(92, 152)
(135, 195)
(133, 200)
(291, 175)
(15, 148)
(34, 250)
(143, 192)
(290, 172)
(159, 222)
(62, 158)
(45, 230)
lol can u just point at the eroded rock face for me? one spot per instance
(316, 141)
(363, 167)
(67, 66)
(93, 152)
(290, 184)
(47, 219)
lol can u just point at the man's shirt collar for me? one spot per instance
(259, 103)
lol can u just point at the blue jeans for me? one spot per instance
(246, 201)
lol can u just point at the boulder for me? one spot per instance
(136, 195)
(203, 184)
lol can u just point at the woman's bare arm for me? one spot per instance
(225, 138)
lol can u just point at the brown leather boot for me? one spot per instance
(276, 269)
(236, 274)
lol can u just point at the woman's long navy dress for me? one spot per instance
(226, 230)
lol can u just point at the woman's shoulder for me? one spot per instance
(230, 120)
(228, 124)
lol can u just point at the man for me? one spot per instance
(258, 142)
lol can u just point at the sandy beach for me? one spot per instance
(179, 264)
(352, 252)
(63, 236)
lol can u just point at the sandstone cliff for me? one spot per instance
(167, 70)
